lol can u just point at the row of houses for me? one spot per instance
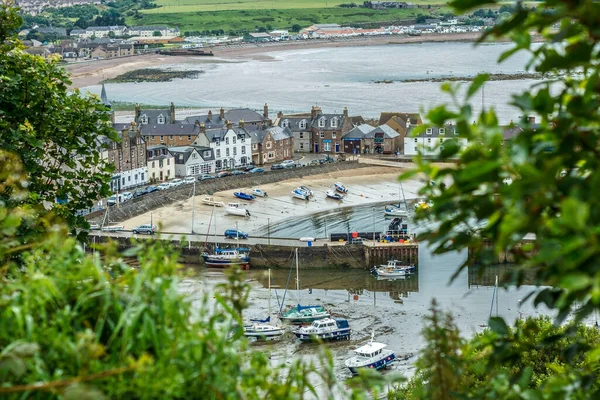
(121, 30)
(35, 7)
(69, 49)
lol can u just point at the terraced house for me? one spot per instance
(231, 145)
(128, 157)
(271, 145)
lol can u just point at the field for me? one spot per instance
(251, 20)
(184, 6)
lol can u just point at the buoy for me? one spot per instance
(355, 297)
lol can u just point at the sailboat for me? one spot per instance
(394, 210)
(261, 329)
(110, 228)
(494, 298)
(225, 257)
(303, 314)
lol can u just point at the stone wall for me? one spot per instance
(163, 198)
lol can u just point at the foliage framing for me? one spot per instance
(54, 132)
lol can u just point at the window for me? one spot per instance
(302, 124)
(429, 130)
(334, 123)
(322, 135)
(217, 142)
(168, 162)
(112, 158)
(123, 180)
(327, 146)
(154, 165)
(235, 151)
(206, 153)
(126, 143)
(442, 131)
(171, 138)
(162, 138)
(254, 146)
(271, 154)
(218, 153)
(132, 154)
(301, 145)
(242, 139)
(428, 140)
(161, 119)
(194, 155)
(152, 137)
(233, 140)
(189, 138)
(333, 135)
(244, 150)
(129, 178)
(205, 168)
(416, 140)
(285, 123)
(322, 122)
(144, 119)
(226, 140)
(269, 145)
(227, 152)
(301, 135)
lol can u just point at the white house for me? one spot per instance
(232, 147)
(161, 163)
(192, 160)
(148, 31)
(428, 141)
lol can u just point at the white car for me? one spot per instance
(287, 163)
(164, 186)
(127, 196)
(176, 182)
(189, 179)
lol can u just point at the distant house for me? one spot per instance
(98, 31)
(149, 30)
(38, 51)
(192, 161)
(61, 32)
(271, 145)
(251, 118)
(381, 140)
(353, 140)
(231, 145)
(300, 126)
(400, 122)
(430, 139)
(380, 5)
(161, 163)
(257, 37)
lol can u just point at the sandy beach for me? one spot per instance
(94, 72)
(367, 185)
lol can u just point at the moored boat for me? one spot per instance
(262, 329)
(244, 196)
(300, 194)
(209, 200)
(339, 187)
(235, 209)
(324, 329)
(309, 192)
(334, 195)
(395, 211)
(259, 193)
(393, 269)
(226, 258)
(305, 314)
(371, 355)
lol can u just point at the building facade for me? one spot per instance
(161, 163)
(128, 157)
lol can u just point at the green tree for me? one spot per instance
(55, 132)
(156, 33)
(296, 28)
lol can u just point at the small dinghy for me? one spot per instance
(244, 196)
(334, 195)
(340, 188)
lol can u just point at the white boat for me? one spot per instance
(339, 187)
(113, 228)
(334, 195)
(393, 269)
(226, 258)
(325, 329)
(235, 209)
(300, 194)
(371, 355)
(395, 211)
(262, 329)
(307, 190)
(259, 193)
(209, 200)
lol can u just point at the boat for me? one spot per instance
(334, 195)
(324, 329)
(300, 194)
(226, 258)
(371, 355)
(235, 209)
(394, 210)
(262, 329)
(340, 188)
(259, 193)
(307, 190)
(244, 196)
(393, 269)
(109, 228)
(302, 314)
(209, 200)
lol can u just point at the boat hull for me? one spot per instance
(213, 261)
(395, 212)
(240, 212)
(340, 334)
(264, 334)
(378, 364)
(244, 196)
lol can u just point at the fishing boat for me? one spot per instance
(303, 314)
(209, 200)
(324, 329)
(334, 195)
(226, 258)
(371, 355)
(259, 193)
(396, 210)
(340, 188)
(262, 329)
(309, 192)
(300, 194)
(235, 209)
(244, 196)
(394, 268)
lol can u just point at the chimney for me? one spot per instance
(266, 111)
(314, 112)
(241, 123)
(279, 114)
(137, 111)
(209, 115)
(202, 127)
(345, 112)
(172, 113)
(222, 113)
(531, 120)
(228, 124)
(407, 122)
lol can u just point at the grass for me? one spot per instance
(251, 20)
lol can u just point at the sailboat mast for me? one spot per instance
(297, 277)
(193, 206)
(403, 196)
(269, 316)
(496, 295)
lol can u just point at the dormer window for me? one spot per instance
(161, 119)
(285, 123)
(334, 123)
(143, 119)
(322, 122)
(442, 131)
(429, 131)
(302, 124)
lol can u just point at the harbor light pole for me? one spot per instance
(373, 225)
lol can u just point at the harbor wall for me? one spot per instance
(278, 256)
(155, 200)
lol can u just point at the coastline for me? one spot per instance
(94, 72)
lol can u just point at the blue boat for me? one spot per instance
(324, 329)
(300, 194)
(339, 187)
(244, 196)
(227, 257)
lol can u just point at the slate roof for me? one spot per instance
(388, 133)
(278, 133)
(358, 132)
(182, 153)
(415, 118)
(234, 116)
(328, 119)
(169, 129)
(219, 133)
(450, 130)
(294, 122)
(202, 149)
(103, 97)
(152, 116)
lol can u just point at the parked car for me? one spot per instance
(145, 229)
(176, 182)
(315, 162)
(164, 186)
(114, 199)
(248, 168)
(285, 163)
(139, 192)
(235, 234)
(205, 177)
(189, 179)
(276, 166)
(237, 172)
(223, 174)
(255, 170)
(127, 195)
(151, 189)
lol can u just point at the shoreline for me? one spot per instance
(91, 73)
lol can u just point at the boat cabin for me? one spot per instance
(233, 205)
(324, 323)
(370, 350)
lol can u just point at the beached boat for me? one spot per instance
(300, 194)
(334, 195)
(226, 258)
(244, 196)
(209, 200)
(324, 329)
(340, 188)
(262, 329)
(235, 209)
(371, 355)
(395, 211)
(259, 193)
(309, 192)
(303, 314)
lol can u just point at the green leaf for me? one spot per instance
(498, 325)
(476, 85)
(575, 281)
